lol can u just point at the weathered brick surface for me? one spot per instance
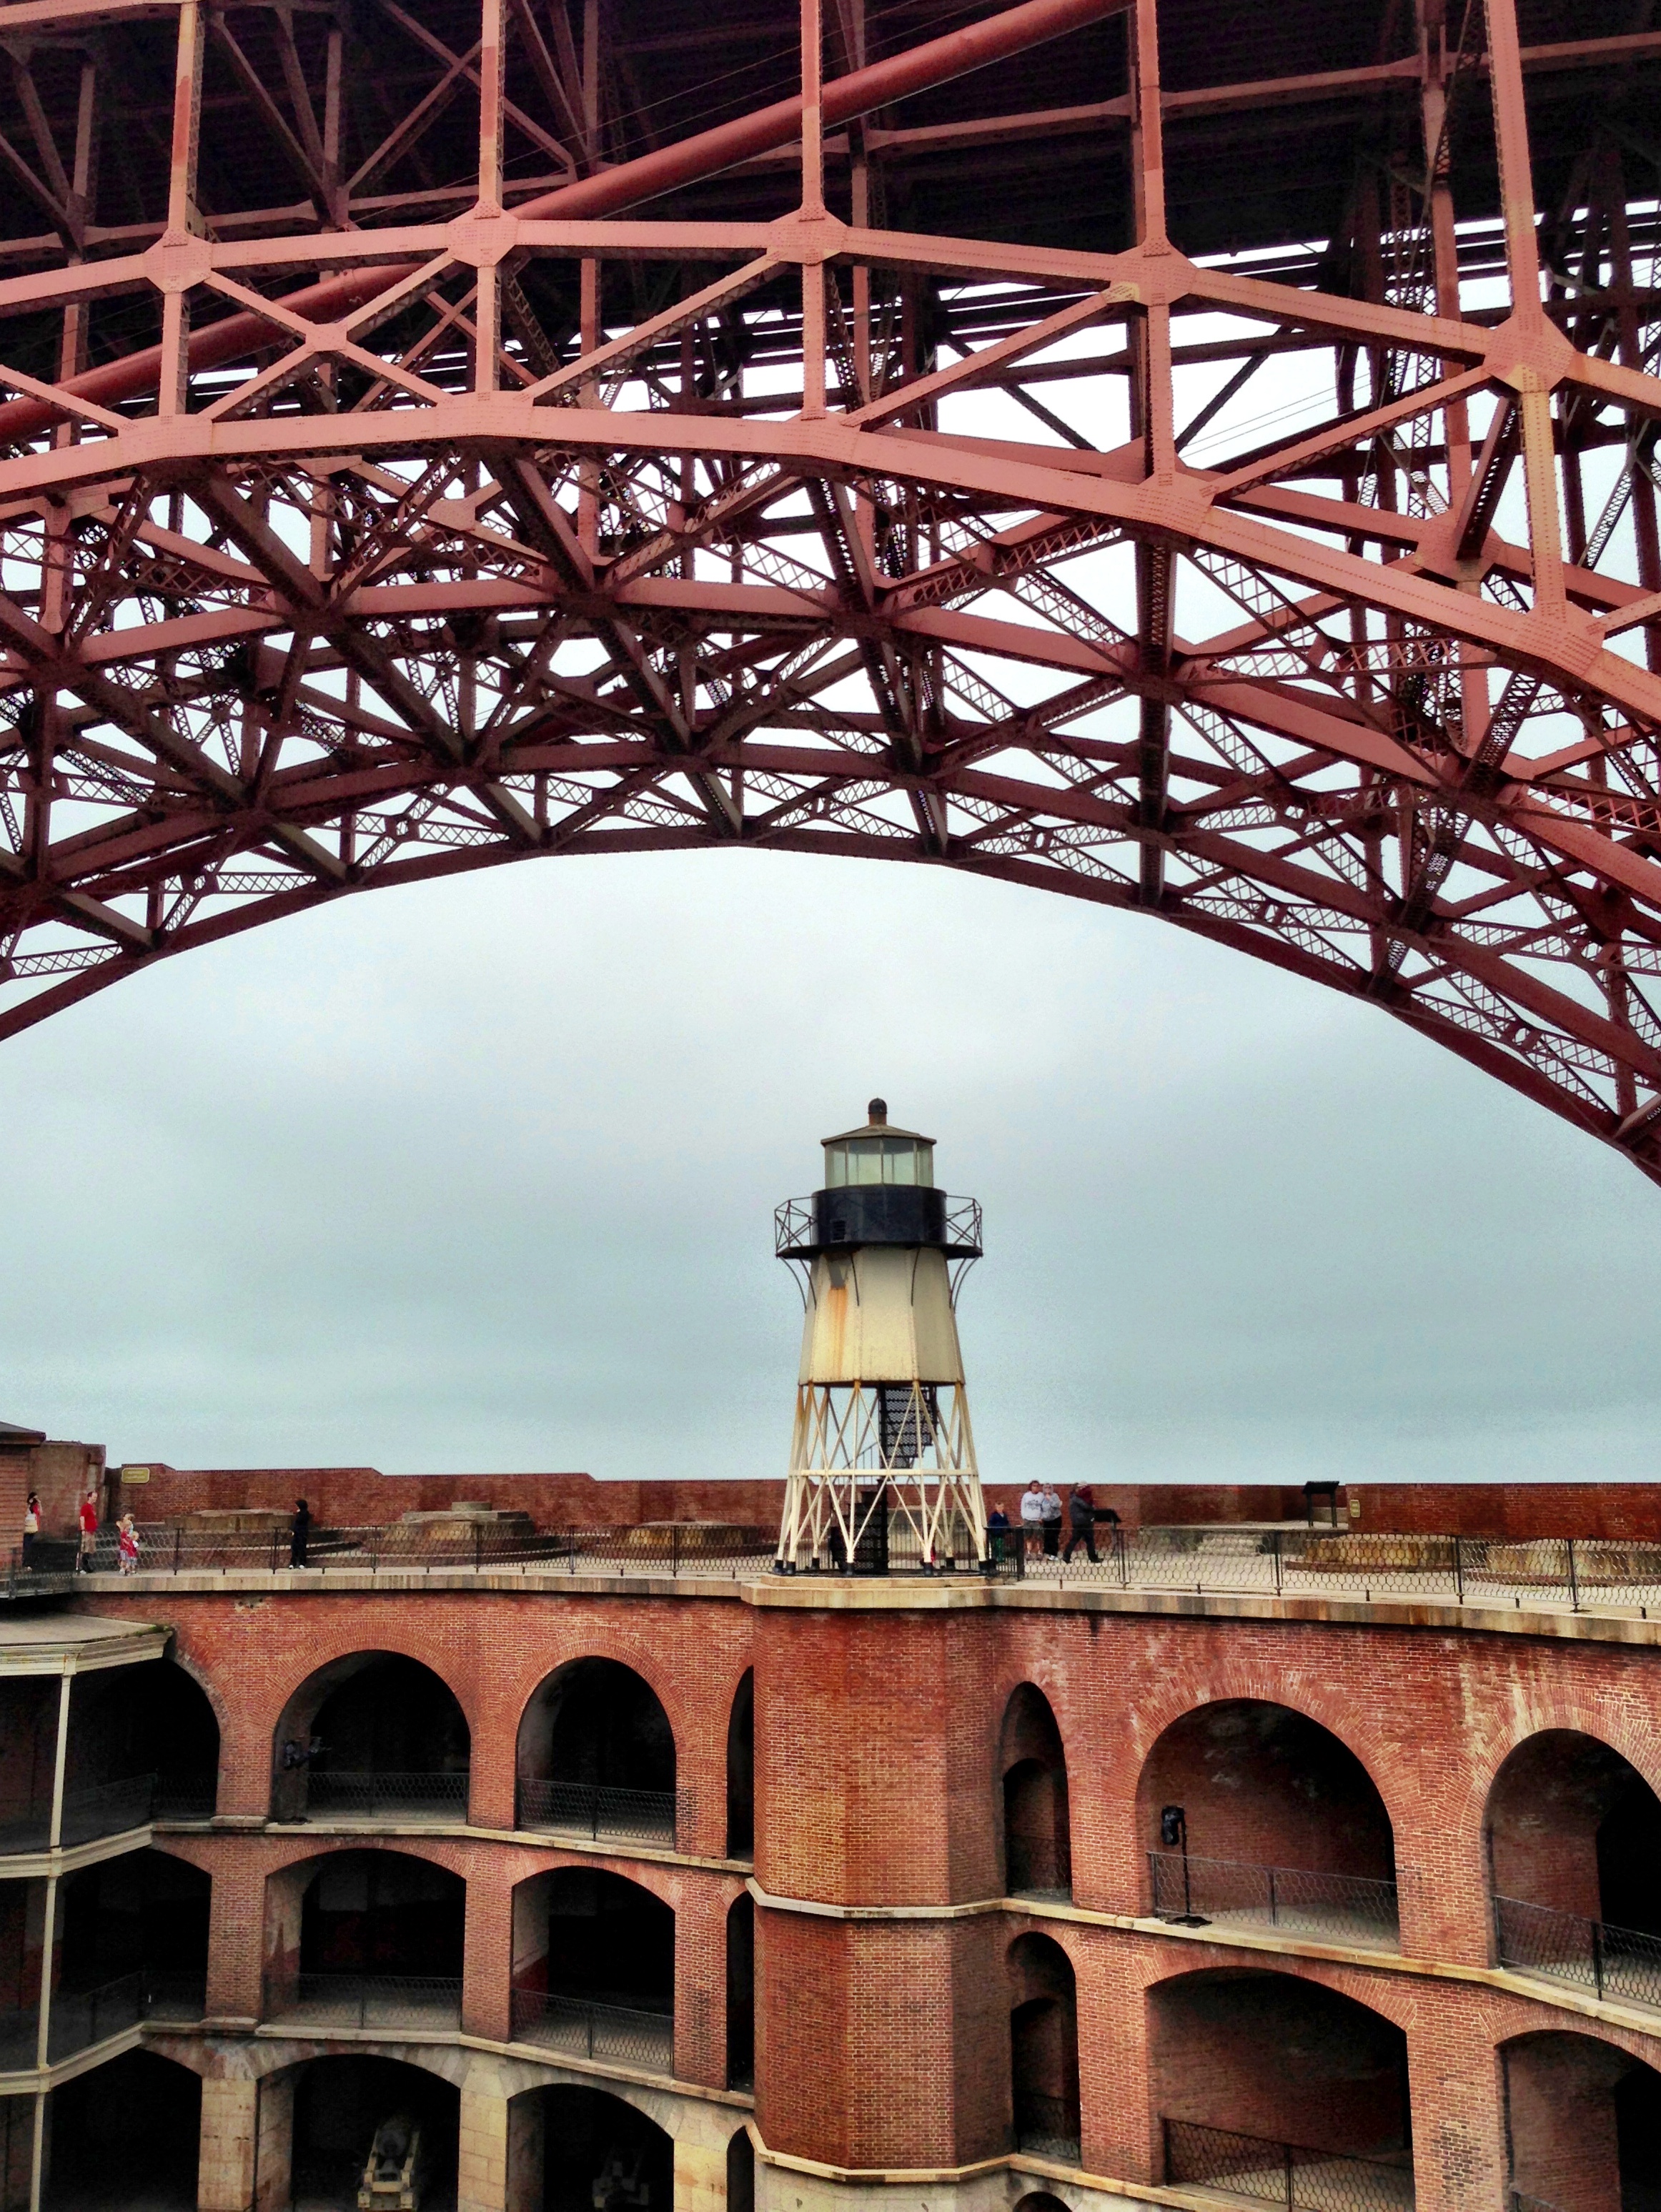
(885, 2041)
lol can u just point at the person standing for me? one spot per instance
(1052, 1520)
(300, 1532)
(126, 1545)
(1033, 1516)
(31, 1527)
(997, 1534)
(1081, 1519)
(89, 1532)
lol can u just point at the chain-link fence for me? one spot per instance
(623, 2034)
(1294, 2175)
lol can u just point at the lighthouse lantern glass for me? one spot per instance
(877, 1159)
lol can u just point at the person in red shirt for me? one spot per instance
(88, 1532)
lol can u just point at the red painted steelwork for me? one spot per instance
(1308, 598)
(609, 192)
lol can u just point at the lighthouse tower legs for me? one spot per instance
(881, 1471)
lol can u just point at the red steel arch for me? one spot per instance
(447, 434)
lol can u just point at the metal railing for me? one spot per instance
(1273, 1897)
(1593, 1955)
(1046, 2126)
(346, 2000)
(1580, 1572)
(108, 1809)
(186, 1796)
(1293, 2175)
(622, 2034)
(179, 1997)
(724, 1549)
(368, 1796)
(593, 1810)
(80, 2017)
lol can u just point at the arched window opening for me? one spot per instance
(741, 1770)
(1583, 2125)
(740, 2172)
(1255, 1815)
(1043, 2049)
(365, 1939)
(584, 2150)
(594, 1968)
(596, 1756)
(356, 2116)
(133, 1942)
(139, 2117)
(1573, 1840)
(1261, 2076)
(373, 1736)
(741, 1993)
(1037, 1847)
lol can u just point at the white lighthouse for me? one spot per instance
(882, 1457)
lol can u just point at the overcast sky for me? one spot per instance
(480, 1175)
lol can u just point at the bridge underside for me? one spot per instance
(1206, 465)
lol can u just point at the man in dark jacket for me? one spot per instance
(299, 1534)
(1081, 1516)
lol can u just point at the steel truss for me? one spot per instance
(900, 1457)
(338, 551)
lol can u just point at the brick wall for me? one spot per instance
(886, 2041)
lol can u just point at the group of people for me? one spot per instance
(86, 1557)
(1042, 1515)
(126, 1536)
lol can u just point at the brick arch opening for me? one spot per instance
(1583, 2125)
(1573, 1836)
(741, 1770)
(1037, 1847)
(1044, 2048)
(322, 2118)
(373, 1734)
(364, 1938)
(1251, 1812)
(139, 2116)
(1040, 2200)
(594, 1968)
(1253, 2072)
(573, 2149)
(596, 1755)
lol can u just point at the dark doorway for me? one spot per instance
(1037, 1840)
(340, 2102)
(741, 1993)
(374, 1736)
(125, 2138)
(741, 1772)
(1043, 2049)
(597, 2153)
(596, 1754)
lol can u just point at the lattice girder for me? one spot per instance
(363, 574)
